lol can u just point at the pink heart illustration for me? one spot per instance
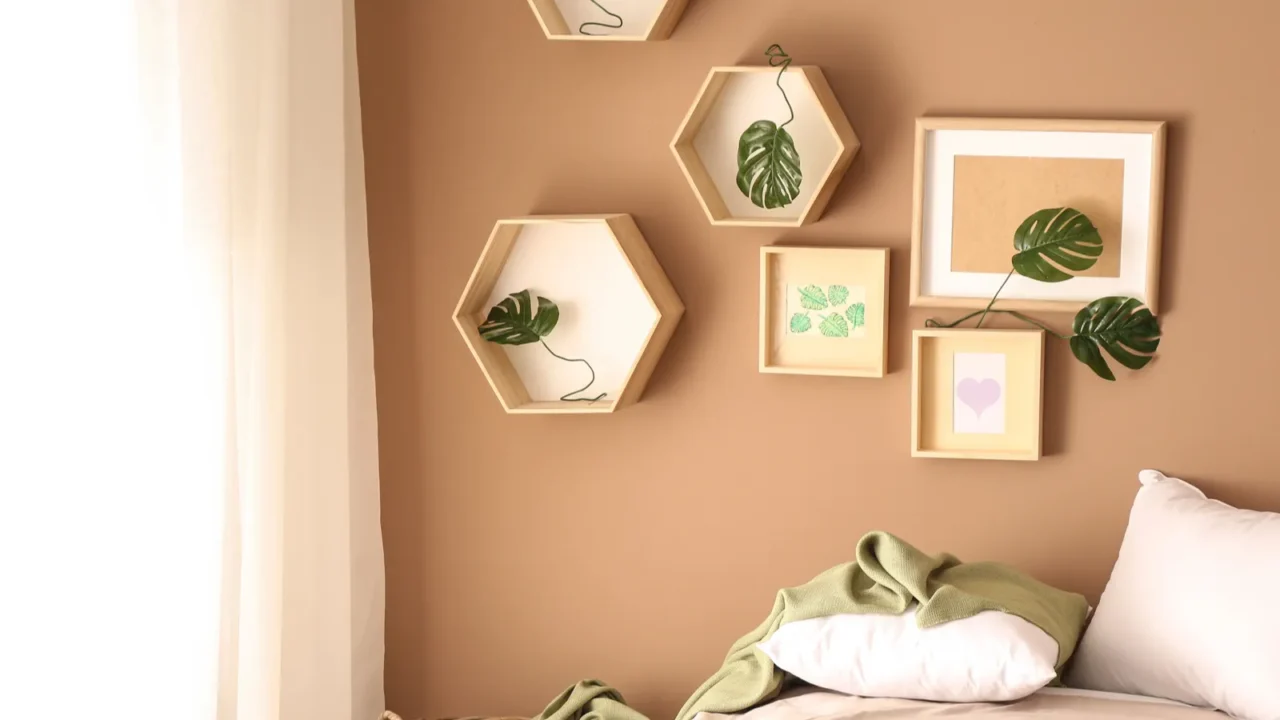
(978, 394)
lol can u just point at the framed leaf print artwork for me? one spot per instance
(978, 180)
(976, 394)
(823, 310)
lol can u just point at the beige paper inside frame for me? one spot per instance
(994, 195)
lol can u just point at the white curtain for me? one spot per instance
(189, 521)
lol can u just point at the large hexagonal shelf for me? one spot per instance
(617, 310)
(642, 19)
(731, 99)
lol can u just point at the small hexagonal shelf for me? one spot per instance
(642, 19)
(731, 99)
(617, 310)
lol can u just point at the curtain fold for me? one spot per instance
(306, 626)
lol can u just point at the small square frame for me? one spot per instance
(1140, 143)
(817, 356)
(932, 394)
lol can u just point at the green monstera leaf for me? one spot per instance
(1121, 326)
(1052, 244)
(800, 323)
(834, 325)
(838, 294)
(514, 322)
(768, 165)
(812, 298)
(857, 314)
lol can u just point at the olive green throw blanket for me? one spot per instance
(590, 700)
(887, 576)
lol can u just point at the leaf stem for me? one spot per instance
(582, 29)
(993, 298)
(566, 397)
(780, 59)
(935, 324)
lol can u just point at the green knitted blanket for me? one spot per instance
(886, 577)
(590, 700)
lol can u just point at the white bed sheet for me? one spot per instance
(1055, 703)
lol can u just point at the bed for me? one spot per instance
(1055, 703)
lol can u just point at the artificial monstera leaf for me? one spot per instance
(838, 294)
(514, 322)
(800, 323)
(1053, 244)
(812, 298)
(857, 314)
(834, 325)
(1121, 326)
(768, 165)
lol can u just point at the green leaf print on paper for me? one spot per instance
(838, 294)
(800, 323)
(857, 314)
(812, 298)
(834, 325)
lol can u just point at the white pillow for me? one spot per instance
(990, 657)
(1192, 610)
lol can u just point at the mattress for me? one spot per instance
(1057, 703)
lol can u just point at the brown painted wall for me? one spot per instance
(526, 553)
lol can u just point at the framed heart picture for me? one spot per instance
(976, 394)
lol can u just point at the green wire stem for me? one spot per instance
(780, 59)
(931, 323)
(582, 29)
(566, 397)
(987, 309)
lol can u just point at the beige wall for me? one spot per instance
(525, 553)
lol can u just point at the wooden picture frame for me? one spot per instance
(977, 394)
(731, 99)
(850, 285)
(977, 179)
(557, 24)
(546, 240)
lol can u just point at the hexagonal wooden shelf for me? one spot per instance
(561, 19)
(618, 310)
(730, 100)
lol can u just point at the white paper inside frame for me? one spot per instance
(941, 149)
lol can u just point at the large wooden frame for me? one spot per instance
(814, 85)
(932, 394)
(555, 27)
(804, 355)
(1149, 253)
(498, 369)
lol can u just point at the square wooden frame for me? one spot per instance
(1156, 129)
(926, 408)
(878, 322)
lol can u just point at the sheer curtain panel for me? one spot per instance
(189, 518)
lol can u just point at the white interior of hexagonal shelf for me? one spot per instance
(605, 315)
(638, 16)
(744, 98)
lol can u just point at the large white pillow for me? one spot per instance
(1192, 610)
(990, 657)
